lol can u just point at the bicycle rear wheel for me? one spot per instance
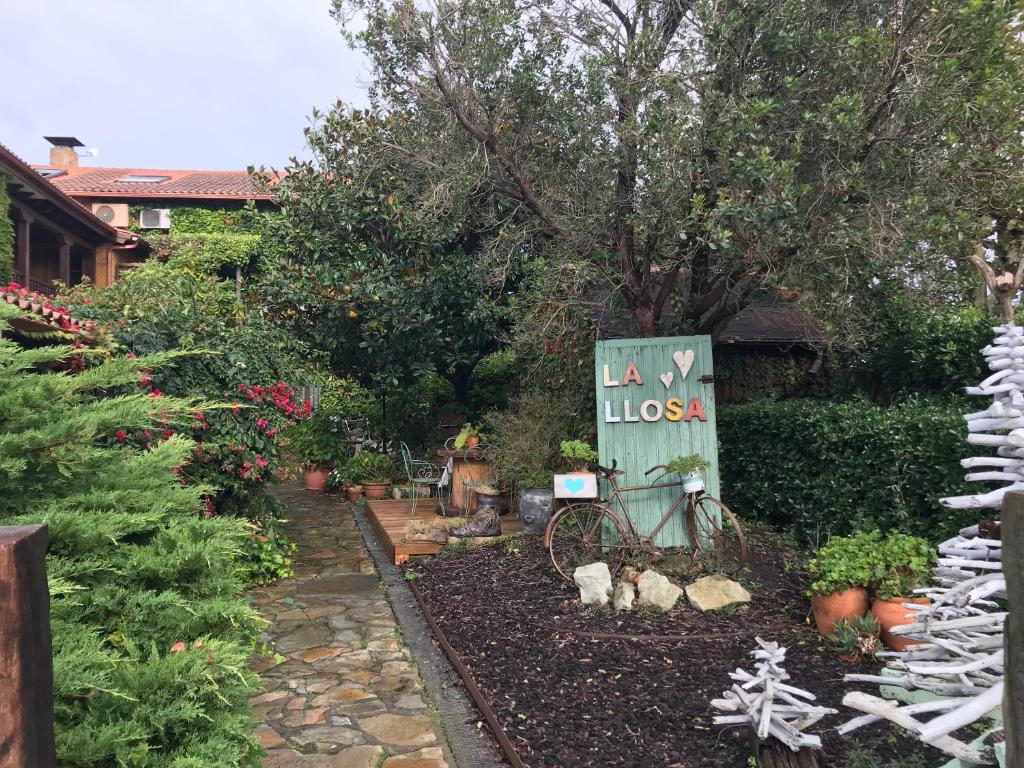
(585, 533)
(716, 534)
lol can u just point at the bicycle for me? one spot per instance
(586, 532)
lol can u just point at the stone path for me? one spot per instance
(342, 691)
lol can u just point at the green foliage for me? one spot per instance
(917, 347)
(818, 469)
(6, 233)
(906, 564)
(371, 467)
(150, 633)
(845, 562)
(855, 637)
(313, 441)
(686, 465)
(525, 438)
(578, 454)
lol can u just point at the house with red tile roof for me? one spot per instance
(145, 198)
(55, 236)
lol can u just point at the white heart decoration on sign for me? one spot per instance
(683, 361)
(666, 379)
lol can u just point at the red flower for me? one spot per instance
(262, 423)
(272, 432)
(235, 408)
(130, 355)
(168, 432)
(156, 393)
(178, 647)
(121, 436)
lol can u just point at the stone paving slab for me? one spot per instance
(341, 691)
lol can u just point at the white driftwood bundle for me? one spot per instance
(958, 657)
(767, 704)
(1001, 425)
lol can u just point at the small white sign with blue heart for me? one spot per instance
(581, 485)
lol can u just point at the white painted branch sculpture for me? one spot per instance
(768, 705)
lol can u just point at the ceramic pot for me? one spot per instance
(472, 441)
(535, 505)
(830, 609)
(353, 492)
(694, 482)
(891, 613)
(316, 478)
(496, 500)
(376, 490)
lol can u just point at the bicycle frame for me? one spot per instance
(623, 510)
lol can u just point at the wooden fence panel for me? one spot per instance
(677, 369)
(26, 654)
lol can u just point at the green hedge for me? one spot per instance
(817, 468)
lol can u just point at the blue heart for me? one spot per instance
(574, 484)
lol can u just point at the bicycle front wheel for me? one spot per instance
(585, 533)
(716, 534)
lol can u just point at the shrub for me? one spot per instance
(525, 440)
(819, 469)
(150, 632)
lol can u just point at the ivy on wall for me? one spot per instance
(6, 232)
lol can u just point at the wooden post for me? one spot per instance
(65, 259)
(23, 260)
(26, 654)
(1013, 637)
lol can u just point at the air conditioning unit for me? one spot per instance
(114, 214)
(155, 218)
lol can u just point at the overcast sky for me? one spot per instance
(191, 84)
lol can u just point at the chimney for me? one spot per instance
(63, 150)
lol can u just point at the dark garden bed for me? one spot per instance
(567, 699)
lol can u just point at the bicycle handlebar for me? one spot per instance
(656, 466)
(608, 472)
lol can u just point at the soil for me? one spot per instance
(570, 700)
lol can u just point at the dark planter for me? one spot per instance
(497, 500)
(535, 506)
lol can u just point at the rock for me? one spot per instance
(714, 592)
(657, 591)
(630, 574)
(595, 583)
(400, 730)
(622, 597)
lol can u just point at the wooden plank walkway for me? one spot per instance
(390, 518)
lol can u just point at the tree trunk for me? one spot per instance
(459, 376)
(1013, 637)
(643, 314)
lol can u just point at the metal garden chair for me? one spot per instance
(420, 473)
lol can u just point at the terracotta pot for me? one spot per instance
(353, 492)
(891, 613)
(472, 441)
(849, 656)
(830, 609)
(316, 478)
(376, 490)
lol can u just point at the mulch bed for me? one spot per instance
(568, 700)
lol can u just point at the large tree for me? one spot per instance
(683, 155)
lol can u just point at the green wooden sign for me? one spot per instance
(652, 406)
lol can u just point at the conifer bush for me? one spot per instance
(150, 631)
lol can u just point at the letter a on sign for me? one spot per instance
(632, 375)
(695, 409)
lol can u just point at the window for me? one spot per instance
(143, 179)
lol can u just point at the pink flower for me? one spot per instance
(121, 436)
(178, 647)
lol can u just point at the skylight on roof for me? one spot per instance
(141, 179)
(51, 173)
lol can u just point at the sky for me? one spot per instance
(184, 84)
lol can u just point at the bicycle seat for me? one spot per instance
(607, 473)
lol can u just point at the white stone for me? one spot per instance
(622, 597)
(595, 583)
(657, 591)
(715, 592)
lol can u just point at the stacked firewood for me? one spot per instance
(776, 712)
(958, 656)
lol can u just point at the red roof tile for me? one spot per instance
(106, 183)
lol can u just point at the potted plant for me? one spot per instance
(578, 455)
(490, 496)
(855, 638)
(348, 478)
(841, 573)
(905, 564)
(691, 469)
(376, 471)
(468, 437)
(313, 444)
